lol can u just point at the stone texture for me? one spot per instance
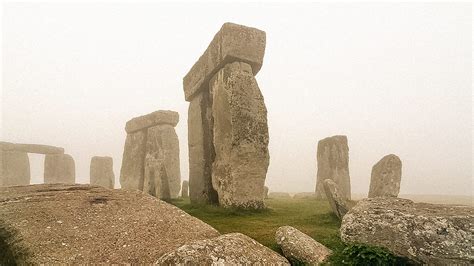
(386, 177)
(339, 204)
(185, 189)
(333, 163)
(14, 168)
(229, 249)
(201, 149)
(304, 195)
(265, 192)
(31, 148)
(232, 43)
(425, 233)
(102, 172)
(273, 195)
(152, 119)
(162, 176)
(240, 137)
(82, 224)
(133, 161)
(300, 248)
(59, 168)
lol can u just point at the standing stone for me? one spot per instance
(59, 168)
(386, 177)
(265, 192)
(184, 189)
(102, 172)
(339, 204)
(133, 161)
(14, 168)
(333, 163)
(240, 137)
(162, 174)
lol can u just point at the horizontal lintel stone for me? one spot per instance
(152, 119)
(31, 148)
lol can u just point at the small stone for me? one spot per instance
(386, 176)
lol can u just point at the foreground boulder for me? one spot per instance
(299, 247)
(82, 224)
(339, 204)
(425, 233)
(229, 249)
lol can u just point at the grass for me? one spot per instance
(312, 217)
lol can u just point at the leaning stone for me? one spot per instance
(339, 204)
(59, 168)
(284, 195)
(14, 168)
(184, 189)
(386, 177)
(90, 225)
(304, 195)
(133, 161)
(102, 172)
(333, 163)
(229, 249)
(431, 234)
(152, 119)
(240, 137)
(232, 43)
(300, 248)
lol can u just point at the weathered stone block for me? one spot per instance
(152, 119)
(31, 148)
(340, 205)
(240, 137)
(386, 177)
(133, 161)
(102, 172)
(59, 168)
(232, 43)
(14, 168)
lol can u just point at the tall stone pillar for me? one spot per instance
(218, 135)
(102, 172)
(14, 168)
(333, 163)
(59, 168)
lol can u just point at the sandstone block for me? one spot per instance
(31, 148)
(133, 161)
(102, 172)
(333, 163)
(340, 205)
(156, 118)
(59, 168)
(240, 137)
(232, 43)
(386, 177)
(265, 192)
(14, 168)
(185, 189)
(425, 233)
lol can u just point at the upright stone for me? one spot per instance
(265, 192)
(59, 168)
(185, 189)
(333, 163)
(240, 137)
(386, 177)
(102, 172)
(14, 168)
(133, 161)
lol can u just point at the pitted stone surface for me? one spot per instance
(228, 249)
(298, 246)
(102, 172)
(232, 43)
(133, 161)
(59, 168)
(14, 168)
(333, 163)
(240, 137)
(386, 177)
(156, 118)
(431, 234)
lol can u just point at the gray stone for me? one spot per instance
(90, 225)
(162, 173)
(265, 192)
(229, 249)
(304, 195)
(59, 168)
(273, 195)
(386, 177)
(201, 149)
(339, 204)
(31, 148)
(14, 168)
(300, 248)
(333, 163)
(102, 172)
(133, 161)
(431, 234)
(240, 137)
(232, 43)
(185, 189)
(156, 118)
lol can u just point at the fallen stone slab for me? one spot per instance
(339, 204)
(152, 119)
(228, 249)
(102, 172)
(386, 176)
(14, 168)
(431, 234)
(232, 43)
(31, 148)
(298, 247)
(83, 224)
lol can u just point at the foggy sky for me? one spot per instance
(394, 78)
